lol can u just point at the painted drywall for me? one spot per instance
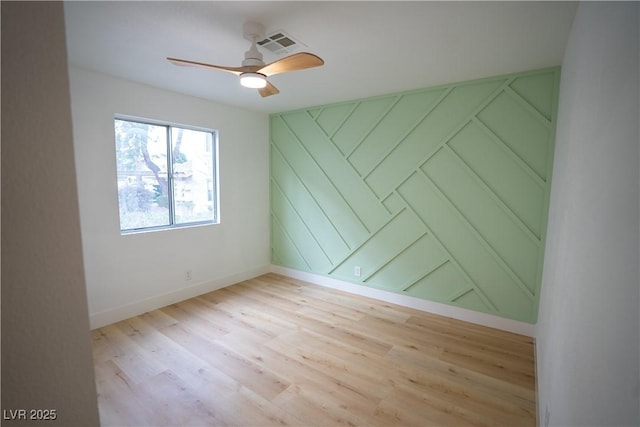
(46, 353)
(130, 274)
(587, 338)
(439, 193)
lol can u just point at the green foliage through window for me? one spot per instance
(166, 175)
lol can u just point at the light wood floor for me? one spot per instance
(276, 351)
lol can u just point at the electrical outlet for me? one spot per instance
(187, 275)
(357, 271)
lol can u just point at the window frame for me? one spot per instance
(170, 175)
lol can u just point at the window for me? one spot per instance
(167, 175)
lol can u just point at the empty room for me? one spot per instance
(320, 213)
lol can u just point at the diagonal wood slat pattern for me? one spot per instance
(439, 193)
(277, 351)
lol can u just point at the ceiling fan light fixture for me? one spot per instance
(253, 80)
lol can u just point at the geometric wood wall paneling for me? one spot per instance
(440, 193)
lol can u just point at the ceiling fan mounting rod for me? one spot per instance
(253, 31)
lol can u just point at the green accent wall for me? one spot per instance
(440, 193)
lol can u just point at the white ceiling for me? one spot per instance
(369, 48)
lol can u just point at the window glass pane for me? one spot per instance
(141, 156)
(193, 180)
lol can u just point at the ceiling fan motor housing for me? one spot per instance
(252, 56)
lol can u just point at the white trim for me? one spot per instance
(107, 317)
(126, 311)
(458, 313)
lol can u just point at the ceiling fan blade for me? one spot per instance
(268, 90)
(297, 61)
(235, 70)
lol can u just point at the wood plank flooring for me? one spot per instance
(276, 351)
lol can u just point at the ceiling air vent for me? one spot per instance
(279, 42)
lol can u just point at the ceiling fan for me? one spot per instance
(254, 72)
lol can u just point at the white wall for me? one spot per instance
(587, 338)
(46, 346)
(130, 274)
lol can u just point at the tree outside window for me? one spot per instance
(166, 175)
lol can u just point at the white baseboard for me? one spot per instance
(107, 317)
(483, 319)
(117, 314)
